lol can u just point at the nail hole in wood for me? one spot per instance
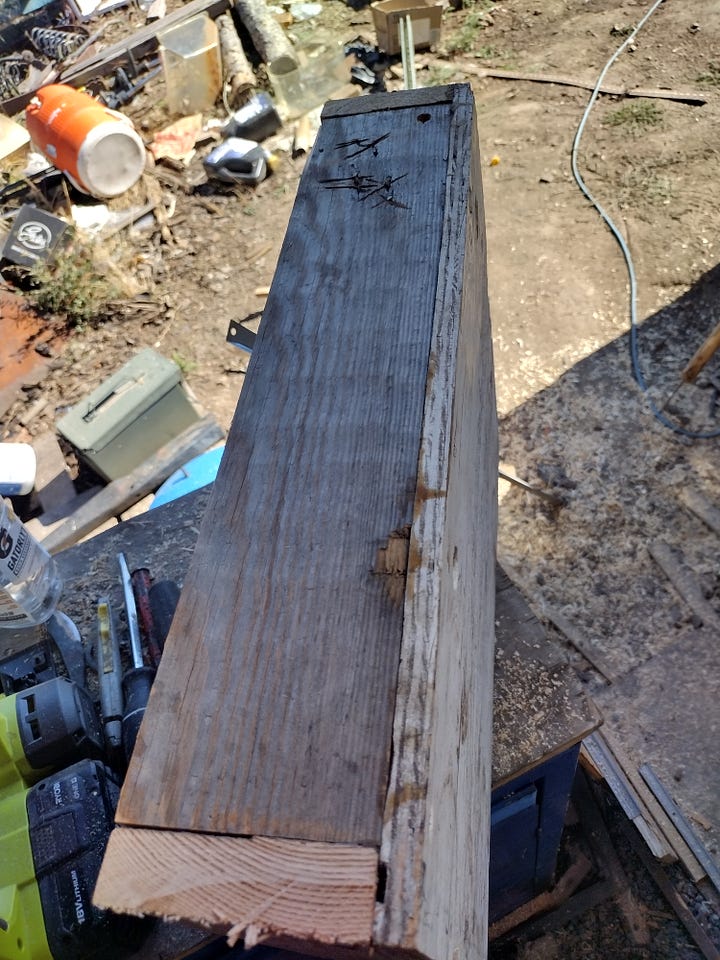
(423, 117)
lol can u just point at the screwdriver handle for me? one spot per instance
(136, 689)
(109, 676)
(141, 583)
(164, 596)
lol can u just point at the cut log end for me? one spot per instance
(257, 888)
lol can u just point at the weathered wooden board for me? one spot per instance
(328, 676)
(301, 629)
(437, 814)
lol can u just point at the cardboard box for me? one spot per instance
(132, 414)
(426, 21)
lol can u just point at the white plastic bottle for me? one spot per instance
(29, 582)
(18, 465)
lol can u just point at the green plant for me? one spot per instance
(487, 52)
(71, 286)
(711, 75)
(186, 366)
(645, 187)
(635, 117)
(462, 40)
(438, 76)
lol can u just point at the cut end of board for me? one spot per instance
(254, 888)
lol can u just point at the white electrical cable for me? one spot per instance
(634, 350)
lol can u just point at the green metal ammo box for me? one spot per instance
(131, 415)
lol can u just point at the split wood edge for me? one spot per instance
(435, 828)
(238, 76)
(598, 759)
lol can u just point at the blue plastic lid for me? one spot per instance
(197, 473)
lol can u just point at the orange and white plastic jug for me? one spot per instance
(97, 148)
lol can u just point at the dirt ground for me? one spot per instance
(558, 285)
(573, 419)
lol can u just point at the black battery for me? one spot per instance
(237, 161)
(57, 724)
(70, 816)
(34, 235)
(257, 120)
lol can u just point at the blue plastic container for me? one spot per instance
(197, 473)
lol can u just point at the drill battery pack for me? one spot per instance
(70, 816)
(54, 830)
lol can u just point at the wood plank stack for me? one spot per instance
(314, 765)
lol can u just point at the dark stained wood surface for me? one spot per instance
(272, 713)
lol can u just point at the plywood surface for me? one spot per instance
(283, 658)
(540, 708)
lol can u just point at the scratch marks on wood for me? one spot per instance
(366, 186)
(363, 144)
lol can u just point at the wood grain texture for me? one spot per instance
(164, 539)
(272, 711)
(436, 834)
(661, 820)
(325, 892)
(237, 72)
(268, 37)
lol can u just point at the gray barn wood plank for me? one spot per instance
(300, 639)
(328, 677)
